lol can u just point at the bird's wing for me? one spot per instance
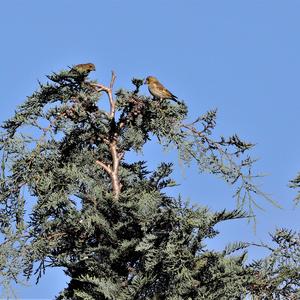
(167, 92)
(160, 86)
(164, 90)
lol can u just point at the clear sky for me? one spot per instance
(242, 57)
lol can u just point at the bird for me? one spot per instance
(82, 69)
(157, 90)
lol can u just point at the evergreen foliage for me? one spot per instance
(70, 199)
(295, 183)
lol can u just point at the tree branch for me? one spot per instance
(112, 170)
(108, 91)
(104, 166)
(116, 157)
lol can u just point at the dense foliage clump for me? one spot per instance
(69, 198)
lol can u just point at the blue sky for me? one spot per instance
(241, 57)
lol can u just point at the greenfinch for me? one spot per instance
(82, 69)
(157, 90)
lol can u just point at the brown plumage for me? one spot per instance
(82, 69)
(157, 90)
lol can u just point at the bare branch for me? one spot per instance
(104, 166)
(112, 81)
(116, 157)
(113, 170)
(109, 92)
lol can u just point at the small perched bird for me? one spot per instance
(82, 69)
(157, 90)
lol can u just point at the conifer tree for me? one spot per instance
(295, 183)
(69, 198)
